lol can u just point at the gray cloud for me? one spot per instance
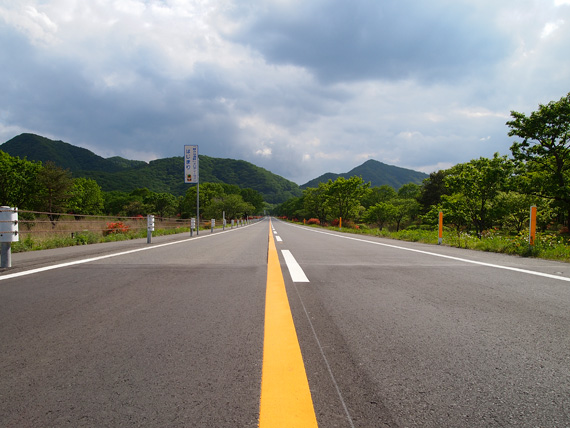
(298, 87)
(393, 39)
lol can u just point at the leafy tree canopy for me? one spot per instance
(543, 155)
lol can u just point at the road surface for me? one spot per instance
(392, 334)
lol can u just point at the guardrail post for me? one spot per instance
(149, 228)
(8, 234)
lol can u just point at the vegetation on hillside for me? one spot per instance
(377, 173)
(161, 175)
(33, 186)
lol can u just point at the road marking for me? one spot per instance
(459, 259)
(285, 396)
(93, 259)
(278, 238)
(296, 272)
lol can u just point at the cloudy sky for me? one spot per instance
(300, 87)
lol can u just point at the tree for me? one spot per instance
(86, 197)
(409, 191)
(115, 202)
(477, 183)
(161, 204)
(233, 205)
(513, 208)
(208, 192)
(55, 189)
(431, 191)
(314, 200)
(343, 196)
(291, 208)
(253, 197)
(19, 185)
(380, 213)
(404, 209)
(374, 195)
(543, 155)
(456, 211)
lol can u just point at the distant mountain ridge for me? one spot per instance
(165, 175)
(375, 172)
(161, 175)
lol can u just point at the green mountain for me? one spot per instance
(166, 175)
(161, 175)
(377, 173)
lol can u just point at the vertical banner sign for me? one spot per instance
(532, 226)
(191, 164)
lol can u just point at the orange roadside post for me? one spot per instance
(532, 227)
(440, 235)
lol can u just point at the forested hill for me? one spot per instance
(377, 173)
(161, 175)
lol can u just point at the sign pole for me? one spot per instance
(191, 175)
(197, 208)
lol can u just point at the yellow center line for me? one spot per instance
(285, 396)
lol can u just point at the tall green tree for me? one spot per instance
(55, 189)
(431, 191)
(86, 197)
(161, 204)
(543, 155)
(232, 205)
(376, 194)
(291, 208)
(405, 209)
(477, 183)
(315, 202)
(253, 197)
(19, 185)
(409, 191)
(380, 213)
(344, 196)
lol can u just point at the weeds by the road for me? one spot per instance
(551, 246)
(29, 243)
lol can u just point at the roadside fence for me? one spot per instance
(77, 229)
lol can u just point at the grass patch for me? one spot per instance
(30, 243)
(550, 246)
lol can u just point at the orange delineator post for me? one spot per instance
(532, 227)
(440, 235)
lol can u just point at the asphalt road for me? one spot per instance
(392, 334)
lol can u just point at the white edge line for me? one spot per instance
(529, 272)
(296, 272)
(106, 256)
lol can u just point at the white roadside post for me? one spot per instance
(212, 225)
(192, 226)
(8, 234)
(149, 228)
